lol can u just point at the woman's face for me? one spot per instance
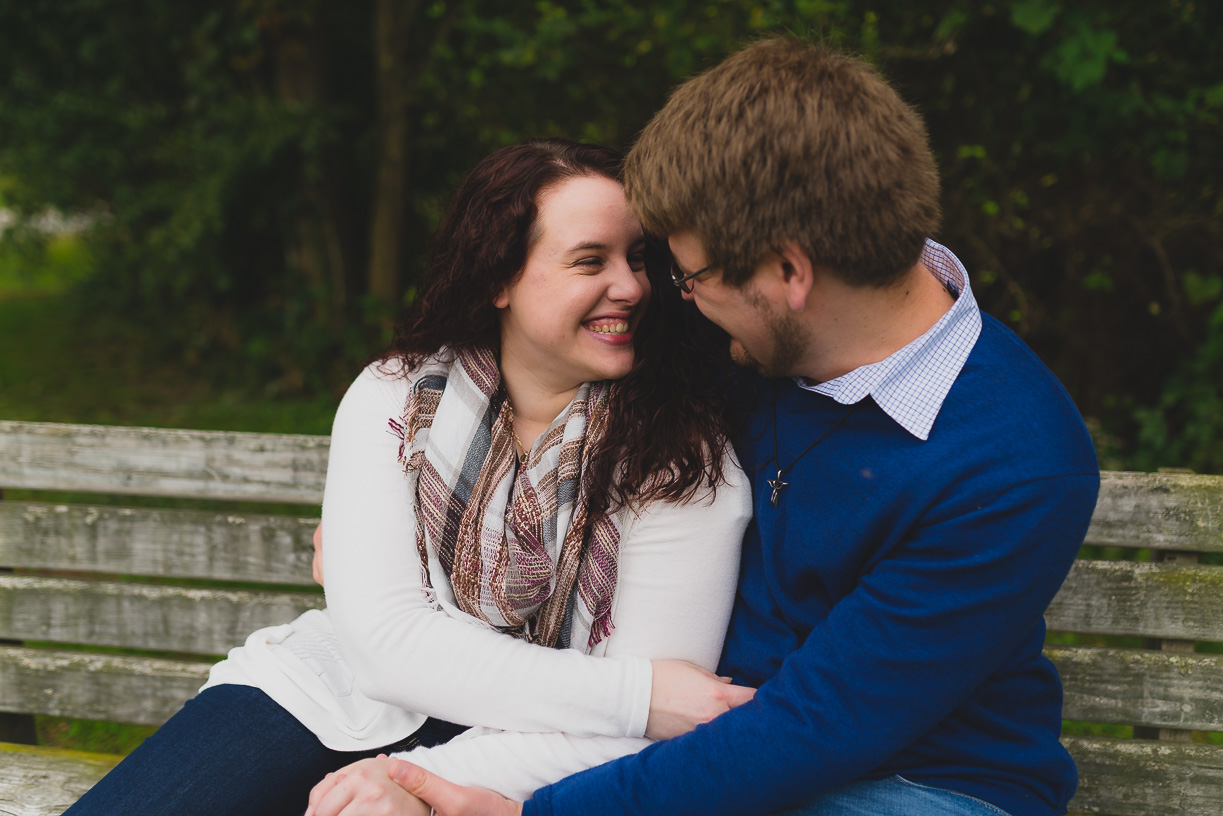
(570, 315)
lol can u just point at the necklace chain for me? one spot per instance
(777, 482)
(522, 449)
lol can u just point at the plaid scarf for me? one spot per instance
(516, 545)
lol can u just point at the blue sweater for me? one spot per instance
(890, 608)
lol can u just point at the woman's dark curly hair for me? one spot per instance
(668, 415)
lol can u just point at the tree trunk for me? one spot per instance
(395, 81)
(315, 247)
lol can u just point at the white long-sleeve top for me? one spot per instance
(366, 671)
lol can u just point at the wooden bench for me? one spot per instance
(94, 595)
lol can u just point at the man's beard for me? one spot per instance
(788, 344)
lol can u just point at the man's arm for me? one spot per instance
(910, 644)
(448, 799)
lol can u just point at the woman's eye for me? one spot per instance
(636, 261)
(591, 264)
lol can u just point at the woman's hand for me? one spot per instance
(364, 788)
(683, 695)
(317, 564)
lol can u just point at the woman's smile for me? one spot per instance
(612, 330)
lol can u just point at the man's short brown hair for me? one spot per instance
(789, 141)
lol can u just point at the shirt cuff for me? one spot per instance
(637, 692)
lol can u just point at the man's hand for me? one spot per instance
(682, 696)
(317, 565)
(364, 788)
(447, 798)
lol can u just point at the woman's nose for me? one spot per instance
(628, 286)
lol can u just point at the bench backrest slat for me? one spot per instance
(142, 690)
(169, 543)
(1141, 687)
(1130, 777)
(1140, 598)
(140, 616)
(153, 462)
(1161, 511)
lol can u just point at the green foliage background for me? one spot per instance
(228, 154)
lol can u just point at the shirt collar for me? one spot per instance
(911, 384)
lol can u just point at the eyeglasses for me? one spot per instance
(684, 282)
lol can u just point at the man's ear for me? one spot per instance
(798, 275)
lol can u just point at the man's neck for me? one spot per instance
(851, 326)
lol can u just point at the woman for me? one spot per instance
(539, 456)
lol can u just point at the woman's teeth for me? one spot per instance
(611, 328)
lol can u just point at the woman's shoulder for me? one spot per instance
(394, 376)
(728, 502)
(380, 391)
(712, 521)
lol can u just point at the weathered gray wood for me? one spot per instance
(160, 462)
(1144, 777)
(1171, 511)
(1171, 646)
(43, 781)
(114, 688)
(172, 543)
(1140, 598)
(1141, 687)
(140, 616)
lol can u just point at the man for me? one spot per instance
(921, 481)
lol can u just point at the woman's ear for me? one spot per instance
(502, 299)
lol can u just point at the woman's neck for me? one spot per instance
(536, 403)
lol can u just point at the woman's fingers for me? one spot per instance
(364, 789)
(738, 695)
(322, 789)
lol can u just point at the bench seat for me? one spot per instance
(112, 608)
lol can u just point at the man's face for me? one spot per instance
(763, 336)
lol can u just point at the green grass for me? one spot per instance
(60, 363)
(91, 736)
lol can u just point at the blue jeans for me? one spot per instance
(230, 751)
(895, 796)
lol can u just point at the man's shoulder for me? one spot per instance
(1008, 401)
(1003, 367)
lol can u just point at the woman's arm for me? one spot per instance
(404, 652)
(678, 568)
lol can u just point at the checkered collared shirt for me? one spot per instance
(911, 384)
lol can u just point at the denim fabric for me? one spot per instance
(230, 751)
(895, 796)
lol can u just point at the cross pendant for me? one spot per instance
(777, 484)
